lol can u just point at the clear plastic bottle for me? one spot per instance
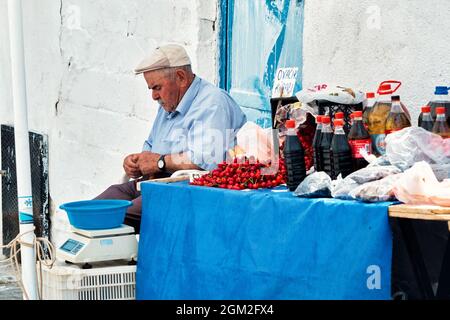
(425, 119)
(370, 102)
(378, 116)
(341, 151)
(359, 138)
(352, 119)
(377, 119)
(340, 115)
(325, 146)
(316, 144)
(440, 125)
(294, 157)
(397, 119)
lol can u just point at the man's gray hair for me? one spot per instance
(170, 73)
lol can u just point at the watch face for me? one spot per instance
(160, 164)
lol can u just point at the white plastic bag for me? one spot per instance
(253, 141)
(418, 185)
(414, 144)
(336, 94)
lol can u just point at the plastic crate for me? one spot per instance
(331, 108)
(107, 281)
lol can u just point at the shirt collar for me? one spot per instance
(188, 97)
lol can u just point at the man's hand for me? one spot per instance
(148, 163)
(130, 165)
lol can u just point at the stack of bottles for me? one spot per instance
(337, 153)
(435, 116)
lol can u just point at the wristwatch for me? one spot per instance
(162, 163)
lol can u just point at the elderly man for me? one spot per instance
(195, 126)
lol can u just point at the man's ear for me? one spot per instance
(182, 78)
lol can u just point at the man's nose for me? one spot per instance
(155, 95)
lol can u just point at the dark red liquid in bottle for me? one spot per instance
(325, 146)
(359, 138)
(341, 152)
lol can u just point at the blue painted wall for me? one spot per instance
(258, 36)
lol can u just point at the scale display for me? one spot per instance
(72, 246)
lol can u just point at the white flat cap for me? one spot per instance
(168, 56)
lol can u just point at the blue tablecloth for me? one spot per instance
(206, 243)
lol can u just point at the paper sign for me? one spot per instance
(284, 83)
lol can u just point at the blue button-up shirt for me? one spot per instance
(204, 126)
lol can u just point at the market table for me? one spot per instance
(207, 243)
(407, 213)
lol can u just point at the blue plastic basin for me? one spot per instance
(96, 214)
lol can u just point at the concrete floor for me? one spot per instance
(9, 288)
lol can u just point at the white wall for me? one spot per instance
(80, 55)
(344, 44)
(82, 92)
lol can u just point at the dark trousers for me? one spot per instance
(126, 191)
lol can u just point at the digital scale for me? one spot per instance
(87, 246)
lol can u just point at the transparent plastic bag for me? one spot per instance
(369, 174)
(316, 185)
(376, 191)
(341, 188)
(414, 144)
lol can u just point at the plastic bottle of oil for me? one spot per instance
(440, 125)
(370, 102)
(378, 116)
(397, 119)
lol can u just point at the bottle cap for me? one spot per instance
(326, 119)
(338, 122)
(357, 114)
(395, 98)
(441, 90)
(385, 89)
(440, 110)
(319, 119)
(426, 109)
(339, 115)
(370, 95)
(290, 124)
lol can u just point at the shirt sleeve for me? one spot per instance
(210, 137)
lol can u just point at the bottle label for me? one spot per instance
(378, 143)
(357, 145)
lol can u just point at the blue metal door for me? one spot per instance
(261, 36)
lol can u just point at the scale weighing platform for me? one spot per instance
(86, 246)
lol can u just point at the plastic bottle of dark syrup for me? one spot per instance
(294, 157)
(359, 138)
(325, 146)
(316, 145)
(340, 151)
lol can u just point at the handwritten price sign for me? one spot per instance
(284, 83)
